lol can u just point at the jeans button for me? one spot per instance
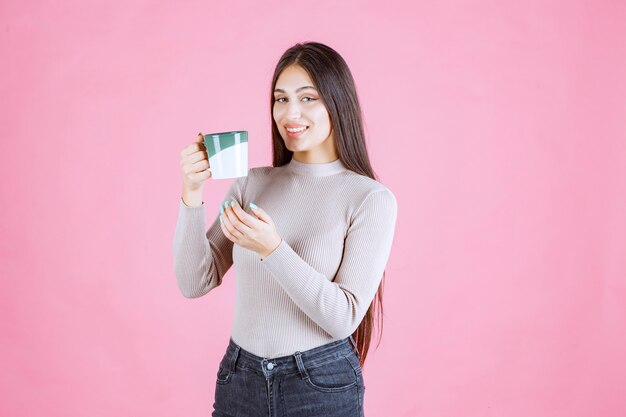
(270, 366)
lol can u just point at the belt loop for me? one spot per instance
(301, 368)
(356, 350)
(233, 358)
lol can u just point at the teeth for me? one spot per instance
(296, 130)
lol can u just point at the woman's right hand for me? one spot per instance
(194, 165)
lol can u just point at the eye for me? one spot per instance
(278, 100)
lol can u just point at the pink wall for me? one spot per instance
(505, 292)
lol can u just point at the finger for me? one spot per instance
(244, 217)
(228, 229)
(228, 235)
(196, 156)
(199, 166)
(200, 141)
(260, 213)
(200, 176)
(194, 147)
(195, 167)
(235, 221)
(197, 145)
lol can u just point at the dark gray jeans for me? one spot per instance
(323, 381)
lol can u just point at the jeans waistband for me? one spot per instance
(237, 357)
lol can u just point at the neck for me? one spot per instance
(316, 170)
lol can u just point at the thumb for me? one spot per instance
(260, 213)
(200, 138)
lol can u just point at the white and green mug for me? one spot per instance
(228, 154)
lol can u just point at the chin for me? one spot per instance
(294, 148)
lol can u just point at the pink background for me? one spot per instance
(499, 125)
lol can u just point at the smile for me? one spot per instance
(294, 133)
(300, 129)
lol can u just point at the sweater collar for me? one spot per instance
(316, 170)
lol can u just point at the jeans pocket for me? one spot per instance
(336, 376)
(223, 373)
(354, 361)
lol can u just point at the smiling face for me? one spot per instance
(298, 104)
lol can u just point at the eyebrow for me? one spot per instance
(278, 90)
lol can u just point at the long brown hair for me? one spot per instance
(333, 80)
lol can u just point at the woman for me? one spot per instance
(309, 237)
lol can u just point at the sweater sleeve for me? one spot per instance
(338, 306)
(202, 257)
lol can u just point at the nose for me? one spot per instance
(293, 111)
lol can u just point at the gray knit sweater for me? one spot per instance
(337, 228)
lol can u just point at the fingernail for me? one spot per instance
(226, 204)
(221, 221)
(252, 205)
(232, 203)
(221, 208)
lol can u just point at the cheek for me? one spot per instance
(322, 118)
(275, 114)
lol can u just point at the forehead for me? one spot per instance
(293, 77)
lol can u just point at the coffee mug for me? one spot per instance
(228, 154)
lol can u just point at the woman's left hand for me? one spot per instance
(256, 233)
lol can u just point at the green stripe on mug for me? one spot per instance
(228, 153)
(217, 142)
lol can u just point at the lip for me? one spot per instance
(295, 134)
